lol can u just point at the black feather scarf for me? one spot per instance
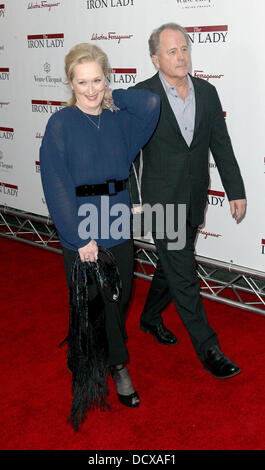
(87, 353)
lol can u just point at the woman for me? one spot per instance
(90, 147)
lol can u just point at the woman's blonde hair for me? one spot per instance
(80, 54)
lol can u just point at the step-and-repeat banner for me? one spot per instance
(227, 51)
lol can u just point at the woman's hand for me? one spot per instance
(107, 100)
(89, 252)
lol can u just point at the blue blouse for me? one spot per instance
(75, 152)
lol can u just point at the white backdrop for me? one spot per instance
(227, 50)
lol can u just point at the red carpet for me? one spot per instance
(183, 407)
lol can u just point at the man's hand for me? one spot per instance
(238, 209)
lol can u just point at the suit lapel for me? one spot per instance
(167, 110)
(158, 88)
(199, 106)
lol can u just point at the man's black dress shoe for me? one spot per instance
(160, 333)
(219, 365)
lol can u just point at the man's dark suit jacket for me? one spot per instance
(173, 172)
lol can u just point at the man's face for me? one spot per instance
(173, 56)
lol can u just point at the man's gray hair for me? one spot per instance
(154, 40)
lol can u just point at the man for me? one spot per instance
(175, 171)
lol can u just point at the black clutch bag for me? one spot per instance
(107, 275)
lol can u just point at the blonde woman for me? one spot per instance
(85, 158)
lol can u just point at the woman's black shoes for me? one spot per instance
(128, 400)
(126, 393)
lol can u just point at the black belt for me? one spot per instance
(111, 187)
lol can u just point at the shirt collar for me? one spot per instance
(169, 88)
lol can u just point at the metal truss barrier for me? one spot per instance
(29, 228)
(221, 282)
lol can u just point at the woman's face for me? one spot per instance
(89, 86)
